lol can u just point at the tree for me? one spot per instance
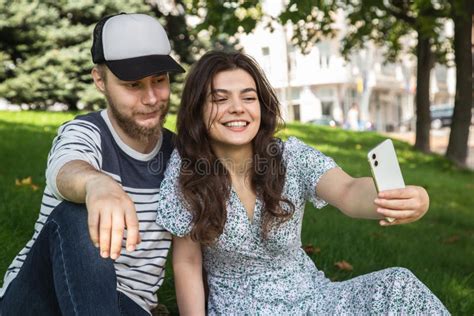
(224, 19)
(461, 12)
(385, 23)
(45, 56)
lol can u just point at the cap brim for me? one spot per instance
(140, 67)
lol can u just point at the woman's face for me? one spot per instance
(232, 109)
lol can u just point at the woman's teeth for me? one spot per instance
(236, 124)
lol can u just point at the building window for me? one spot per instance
(292, 64)
(388, 69)
(349, 98)
(296, 112)
(266, 64)
(325, 93)
(324, 53)
(441, 73)
(326, 108)
(295, 93)
(399, 108)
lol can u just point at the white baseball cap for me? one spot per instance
(133, 46)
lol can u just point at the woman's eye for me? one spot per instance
(250, 99)
(219, 100)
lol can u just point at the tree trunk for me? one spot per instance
(458, 138)
(425, 58)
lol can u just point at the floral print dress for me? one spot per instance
(251, 276)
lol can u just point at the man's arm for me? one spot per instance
(109, 208)
(357, 197)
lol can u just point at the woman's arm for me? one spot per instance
(187, 267)
(357, 197)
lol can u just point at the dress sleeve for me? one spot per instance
(308, 164)
(76, 140)
(172, 214)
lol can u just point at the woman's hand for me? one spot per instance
(404, 205)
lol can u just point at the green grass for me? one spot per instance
(439, 249)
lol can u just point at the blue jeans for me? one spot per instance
(64, 274)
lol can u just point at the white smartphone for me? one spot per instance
(385, 168)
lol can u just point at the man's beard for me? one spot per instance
(135, 130)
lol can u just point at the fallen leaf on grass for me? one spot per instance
(27, 182)
(344, 265)
(452, 239)
(310, 249)
(376, 235)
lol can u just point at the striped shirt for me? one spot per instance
(91, 138)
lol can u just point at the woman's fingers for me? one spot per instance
(404, 204)
(397, 214)
(403, 193)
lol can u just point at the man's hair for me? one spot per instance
(102, 69)
(207, 193)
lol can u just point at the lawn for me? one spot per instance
(439, 249)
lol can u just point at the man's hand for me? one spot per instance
(404, 205)
(110, 210)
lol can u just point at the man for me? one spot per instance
(102, 253)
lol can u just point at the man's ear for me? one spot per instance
(98, 80)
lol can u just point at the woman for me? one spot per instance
(235, 192)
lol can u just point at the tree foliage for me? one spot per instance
(224, 18)
(45, 47)
(385, 23)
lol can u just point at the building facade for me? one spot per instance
(322, 84)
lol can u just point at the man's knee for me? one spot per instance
(71, 219)
(68, 224)
(69, 212)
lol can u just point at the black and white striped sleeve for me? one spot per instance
(76, 140)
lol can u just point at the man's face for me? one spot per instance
(138, 107)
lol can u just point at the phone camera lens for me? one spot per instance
(376, 163)
(373, 156)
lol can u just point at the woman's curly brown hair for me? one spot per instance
(204, 181)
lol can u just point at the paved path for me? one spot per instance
(439, 142)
